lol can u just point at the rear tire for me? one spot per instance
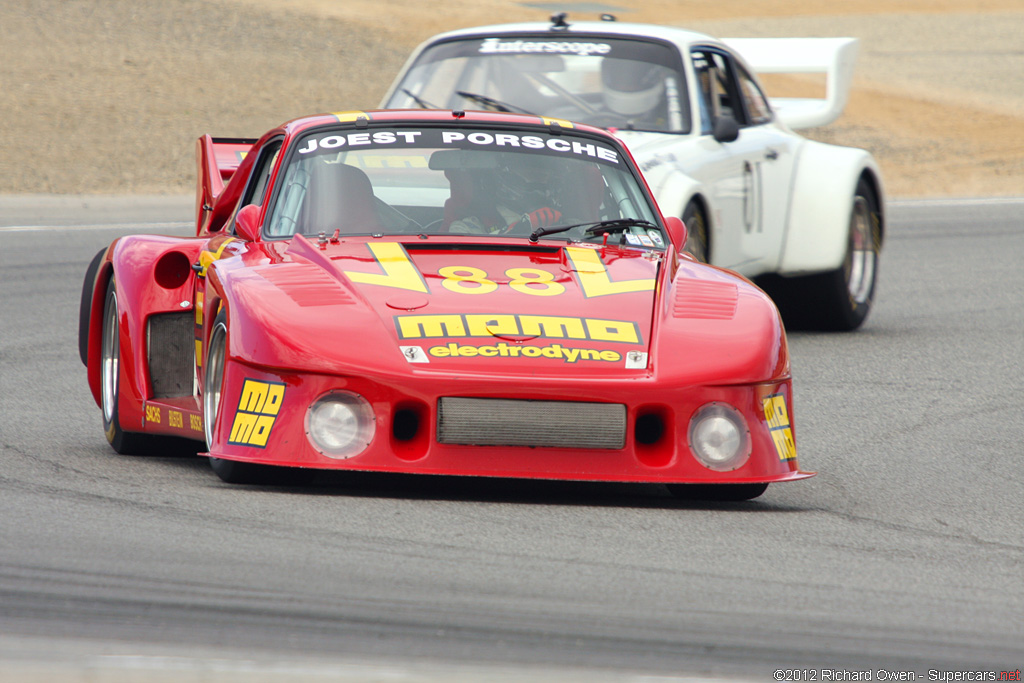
(697, 242)
(126, 443)
(841, 299)
(717, 492)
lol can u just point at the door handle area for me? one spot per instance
(771, 155)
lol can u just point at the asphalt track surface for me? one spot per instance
(905, 553)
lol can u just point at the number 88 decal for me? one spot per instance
(470, 280)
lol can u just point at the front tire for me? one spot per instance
(232, 471)
(838, 300)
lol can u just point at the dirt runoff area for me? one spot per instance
(109, 96)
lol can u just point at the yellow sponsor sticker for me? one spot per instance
(779, 427)
(451, 325)
(350, 116)
(503, 350)
(558, 122)
(153, 414)
(258, 407)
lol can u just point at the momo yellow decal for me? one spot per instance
(779, 427)
(257, 410)
(502, 350)
(452, 325)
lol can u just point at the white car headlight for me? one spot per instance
(719, 437)
(340, 424)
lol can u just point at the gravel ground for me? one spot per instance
(108, 96)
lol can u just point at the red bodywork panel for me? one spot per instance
(406, 320)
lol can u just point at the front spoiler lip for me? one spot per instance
(412, 468)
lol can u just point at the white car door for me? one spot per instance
(749, 177)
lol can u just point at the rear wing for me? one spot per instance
(835, 57)
(217, 159)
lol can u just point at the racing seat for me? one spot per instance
(583, 197)
(340, 197)
(457, 206)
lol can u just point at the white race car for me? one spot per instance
(803, 218)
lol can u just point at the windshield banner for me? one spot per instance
(469, 139)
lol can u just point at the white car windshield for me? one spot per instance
(610, 83)
(433, 180)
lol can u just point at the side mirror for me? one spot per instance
(726, 129)
(676, 232)
(247, 223)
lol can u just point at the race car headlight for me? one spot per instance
(340, 424)
(719, 437)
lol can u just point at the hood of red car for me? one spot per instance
(492, 307)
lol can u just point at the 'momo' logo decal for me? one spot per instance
(258, 407)
(455, 325)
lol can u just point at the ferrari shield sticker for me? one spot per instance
(779, 427)
(257, 410)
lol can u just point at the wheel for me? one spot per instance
(840, 299)
(697, 243)
(231, 471)
(126, 443)
(718, 492)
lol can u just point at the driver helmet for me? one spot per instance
(630, 87)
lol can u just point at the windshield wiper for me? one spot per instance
(491, 104)
(595, 227)
(423, 104)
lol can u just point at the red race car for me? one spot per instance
(459, 293)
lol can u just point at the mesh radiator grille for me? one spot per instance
(552, 424)
(172, 354)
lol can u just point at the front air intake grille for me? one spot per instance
(543, 424)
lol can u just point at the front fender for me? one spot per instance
(825, 182)
(673, 189)
(714, 328)
(273, 325)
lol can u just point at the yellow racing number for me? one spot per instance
(533, 281)
(466, 280)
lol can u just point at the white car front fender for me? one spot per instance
(825, 183)
(673, 190)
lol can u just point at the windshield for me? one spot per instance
(438, 181)
(611, 83)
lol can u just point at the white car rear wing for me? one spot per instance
(834, 57)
